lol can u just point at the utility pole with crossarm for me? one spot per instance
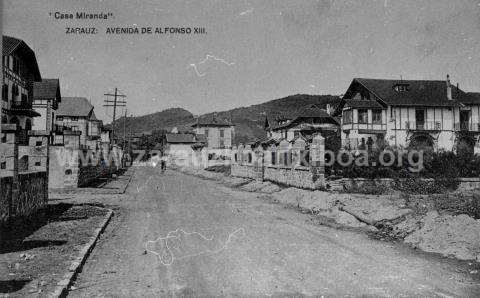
(115, 103)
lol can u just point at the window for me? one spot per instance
(38, 163)
(74, 128)
(222, 133)
(296, 134)
(5, 61)
(3, 165)
(59, 118)
(377, 116)
(222, 143)
(362, 116)
(347, 117)
(206, 132)
(236, 157)
(14, 90)
(5, 92)
(38, 143)
(24, 98)
(249, 157)
(74, 118)
(401, 87)
(274, 158)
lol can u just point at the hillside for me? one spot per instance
(249, 121)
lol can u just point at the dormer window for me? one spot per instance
(401, 87)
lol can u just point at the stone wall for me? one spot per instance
(23, 175)
(300, 177)
(300, 165)
(244, 171)
(346, 184)
(32, 195)
(5, 198)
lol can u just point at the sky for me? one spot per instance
(253, 51)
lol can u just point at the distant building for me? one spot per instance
(183, 149)
(20, 71)
(219, 133)
(306, 122)
(431, 113)
(46, 98)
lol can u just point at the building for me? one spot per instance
(46, 98)
(20, 71)
(76, 114)
(219, 133)
(306, 122)
(185, 149)
(404, 113)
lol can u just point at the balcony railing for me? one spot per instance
(428, 125)
(467, 126)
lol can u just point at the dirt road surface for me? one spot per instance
(208, 240)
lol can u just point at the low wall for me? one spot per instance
(347, 183)
(244, 171)
(5, 197)
(300, 177)
(32, 195)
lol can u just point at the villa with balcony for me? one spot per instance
(20, 71)
(409, 113)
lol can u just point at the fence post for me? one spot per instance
(258, 166)
(317, 164)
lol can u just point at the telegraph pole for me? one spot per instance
(114, 103)
(124, 123)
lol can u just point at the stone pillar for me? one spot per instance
(317, 161)
(9, 152)
(258, 165)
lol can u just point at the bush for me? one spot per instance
(459, 204)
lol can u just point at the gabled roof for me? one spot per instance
(309, 111)
(211, 120)
(47, 89)
(75, 106)
(420, 92)
(12, 45)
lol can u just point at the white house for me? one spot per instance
(404, 113)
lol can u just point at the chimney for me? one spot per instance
(449, 88)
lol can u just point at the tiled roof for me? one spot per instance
(420, 92)
(358, 103)
(211, 120)
(180, 138)
(74, 106)
(12, 44)
(310, 111)
(46, 89)
(471, 98)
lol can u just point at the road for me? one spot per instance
(271, 251)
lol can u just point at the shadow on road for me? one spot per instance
(14, 285)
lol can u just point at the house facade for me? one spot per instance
(405, 113)
(46, 98)
(76, 114)
(218, 132)
(20, 71)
